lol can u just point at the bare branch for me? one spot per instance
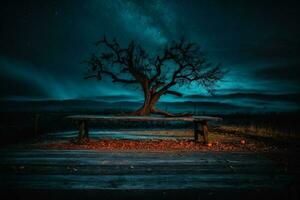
(158, 63)
(175, 93)
(90, 76)
(113, 77)
(192, 66)
(180, 63)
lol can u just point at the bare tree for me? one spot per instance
(180, 63)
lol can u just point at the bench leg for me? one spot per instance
(80, 130)
(203, 131)
(83, 131)
(204, 125)
(86, 130)
(196, 131)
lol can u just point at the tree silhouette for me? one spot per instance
(180, 63)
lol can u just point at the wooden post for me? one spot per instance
(196, 131)
(203, 131)
(86, 130)
(36, 124)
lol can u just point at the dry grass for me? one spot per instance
(257, 131)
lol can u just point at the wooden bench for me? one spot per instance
(200, 123)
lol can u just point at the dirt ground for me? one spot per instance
(220, 139)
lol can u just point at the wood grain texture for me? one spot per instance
(141, 118)
(87, 169)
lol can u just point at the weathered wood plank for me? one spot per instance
(88, 169)
(142, 181)
(86, 157)
(140, 118)
(96, 158)
(15, 152)
(84, 161)
(140, 169)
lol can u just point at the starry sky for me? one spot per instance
(43, 43)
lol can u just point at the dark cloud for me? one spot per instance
(284, 73)
(13, 87)
(273, 48)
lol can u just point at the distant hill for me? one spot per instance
(114, 98)
(292, 97)
(196, 105)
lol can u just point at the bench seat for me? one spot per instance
(200, 122)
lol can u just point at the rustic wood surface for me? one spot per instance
(198, 174)
(140, 118)
(81, 169)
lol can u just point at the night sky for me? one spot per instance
(44, 42)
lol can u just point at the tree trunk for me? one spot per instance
(148, 108)
(150, 100)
